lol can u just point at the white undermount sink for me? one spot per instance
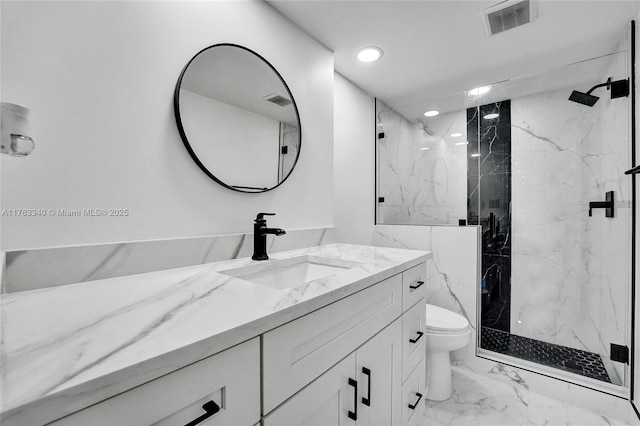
(285, 273)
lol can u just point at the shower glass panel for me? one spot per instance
(526, 163)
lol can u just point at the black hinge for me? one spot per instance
(381, 135)
(381, 199)
(284, 149)
(619, 353)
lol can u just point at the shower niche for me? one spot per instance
(524, 160)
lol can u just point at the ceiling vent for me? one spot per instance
(509, 14)
(277, 99)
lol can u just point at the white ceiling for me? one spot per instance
(434, 48)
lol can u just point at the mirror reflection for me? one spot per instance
(237, 118)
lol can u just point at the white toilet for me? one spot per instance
(446, 331)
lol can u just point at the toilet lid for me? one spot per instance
(441, 319)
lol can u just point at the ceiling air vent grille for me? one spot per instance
(277, 99)
(509, 14)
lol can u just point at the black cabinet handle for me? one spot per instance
(420, 334)
(413, 407)
(353, 415)
(210, 408)
(367, 401)
(413, 287)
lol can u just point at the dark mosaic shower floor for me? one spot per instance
(576, 361)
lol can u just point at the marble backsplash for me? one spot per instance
(47, 267)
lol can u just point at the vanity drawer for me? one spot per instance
(413, 394)
(299, 351)
(414, 285)
(413, 339)
(231, 379)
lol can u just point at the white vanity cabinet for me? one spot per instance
(362, 389)
(357, 361)
(354, 362)
(231, 379)
(298, 352)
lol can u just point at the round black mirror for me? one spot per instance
(237, 118)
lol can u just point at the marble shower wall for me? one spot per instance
(570, 272)
(421, 185)
(452, 273)
(48, 267)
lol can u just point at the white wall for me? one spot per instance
(238, 134)
(99, 79)
(354, 162)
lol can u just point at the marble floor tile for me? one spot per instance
(479, 400)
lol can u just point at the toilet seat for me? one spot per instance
(439, 321)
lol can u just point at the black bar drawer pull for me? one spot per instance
(413, 407)
(420, 334)
(210, 408)
(353, 415)
(367, 401)
(419, 284)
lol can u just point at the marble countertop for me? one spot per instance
(67, 347)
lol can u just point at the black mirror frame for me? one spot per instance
(185, 140)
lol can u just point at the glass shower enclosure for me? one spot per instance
(543, 176)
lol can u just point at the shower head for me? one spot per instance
(583, 98)
(618, 89)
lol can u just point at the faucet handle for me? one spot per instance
(260, 216)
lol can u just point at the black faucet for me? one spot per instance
(260, 232)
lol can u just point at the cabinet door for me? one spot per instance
(325, 402)
(379, 371)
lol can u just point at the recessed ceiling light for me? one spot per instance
(479, 90)
(461, 143)
(475, 155)
(424, 148)
(491, 116)
(370, 54)
(455, 135)
(431, 113)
